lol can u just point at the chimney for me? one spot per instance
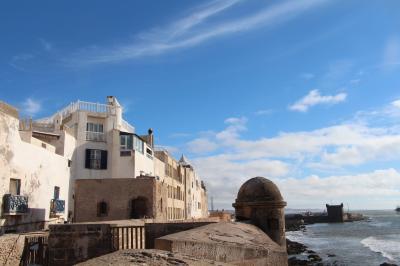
(150, 137)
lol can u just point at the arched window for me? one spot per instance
(102, 209)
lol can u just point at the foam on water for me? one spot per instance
(389, 248)
(369, 242)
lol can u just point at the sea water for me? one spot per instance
(370, 242)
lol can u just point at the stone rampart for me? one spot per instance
(159, 229)
(73, 243)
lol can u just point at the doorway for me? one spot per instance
(138, 208)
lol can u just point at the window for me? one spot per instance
(96, 159)
(94, 132)
(92, 127)
(102, 209)
(126, 142)
(56, 193)
(138, 144)
(15, 186)
(129, 142)
(69, 163)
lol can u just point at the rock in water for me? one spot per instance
(295, 247)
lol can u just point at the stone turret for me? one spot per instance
(260, 202)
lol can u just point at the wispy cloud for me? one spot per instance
(264, 112)
(31, 107)
(307, 76)
(18, 61)
(187, 32)
(201, 145)
(315, 98)
(391, 56)
(47, 46)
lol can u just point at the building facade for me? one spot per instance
(34, 176)
(96, 143)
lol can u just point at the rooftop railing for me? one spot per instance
(89, 107)
(127, 127)
(80, 106)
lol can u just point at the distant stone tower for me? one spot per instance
(260, 202)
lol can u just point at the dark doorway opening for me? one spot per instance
(138, 208)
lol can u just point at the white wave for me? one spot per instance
(386, 247)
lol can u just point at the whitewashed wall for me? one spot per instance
(39, 169)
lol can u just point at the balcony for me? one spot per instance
(95, 136)
(57, 206)
(15, 204)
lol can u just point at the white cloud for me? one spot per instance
(396, 103)
(373, 190)
(31, 107)
(315, 98)
(291, 159)
(201, 145)
(187, 32)
(224, 176)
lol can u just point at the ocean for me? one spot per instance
(369, 242)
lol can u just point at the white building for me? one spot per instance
(88, 141)
(105, 146)
(34, 179)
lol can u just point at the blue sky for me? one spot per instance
(303, 92)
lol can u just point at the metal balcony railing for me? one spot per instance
(15, 204)
(57, 206)
(95, 136)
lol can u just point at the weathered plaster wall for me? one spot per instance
(143, 163)
(39, 170)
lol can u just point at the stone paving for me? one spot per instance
(8, 249)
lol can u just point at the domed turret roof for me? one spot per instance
(258, 189)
